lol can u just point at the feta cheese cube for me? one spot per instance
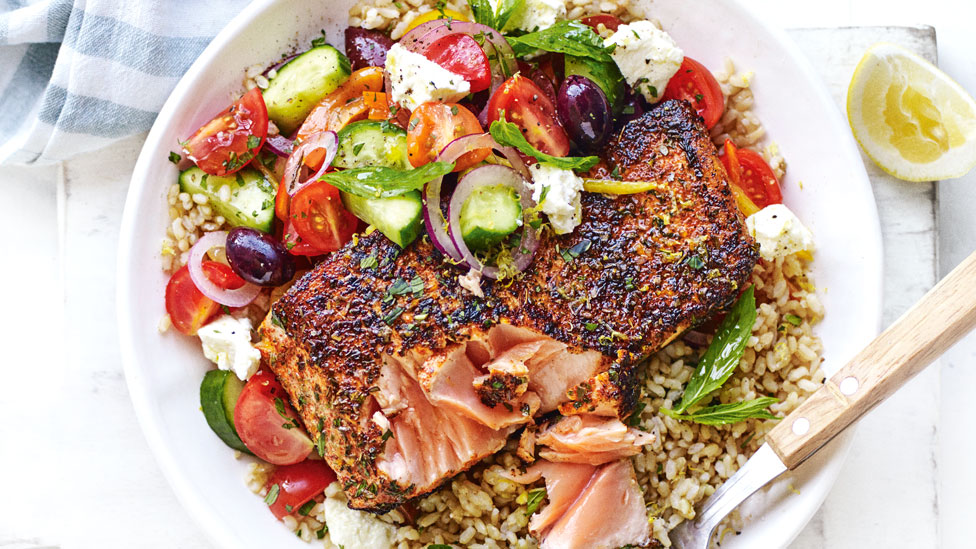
(227, 342)
(534, 15)
(562, 199)
(647, 57)
(352, 528)
(779, 232)
(417, 80)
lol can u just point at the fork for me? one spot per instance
(943, 316)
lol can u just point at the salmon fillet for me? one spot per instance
(406, 379)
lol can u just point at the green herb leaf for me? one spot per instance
(694, 262)
(272, 494)
(793, 319)
(722, 356)
(506, 9)
(725, 414)
(507, 133)
(320, 533)
(482, 12)
(383, 182)
(320, 41)
(358, 147)
(306, 508)
(253, 141)
(175, 157)
(569, 37)
(535, 497)
(634, 419)
(368, 262)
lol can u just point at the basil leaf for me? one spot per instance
(535, 497)
(506, 9)
(722, 356)
(724, 414)
(383, 182)
(569, 37)
(508, 134)
(482, 12)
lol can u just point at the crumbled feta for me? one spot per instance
(647, 57)
(227, 342)
(779, 232)
(352, 528)
(416, 80)
(562, 200)
(472, 282)
(534, 15)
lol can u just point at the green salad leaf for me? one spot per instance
(569, 37)
(725, 414)
(495, 18)
(508, 134)
(506, 9)
(722, 356)
(383, 182)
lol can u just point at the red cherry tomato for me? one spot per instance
(188, 308)
(298, 484)
(267, 424)
(461, 54)
(609, 21)
(228, 142)
(319, 223)
(433, 126)
(695, 84)
(748, 171)
(526, 105)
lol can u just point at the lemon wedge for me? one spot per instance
(912, 119)
(435, 14)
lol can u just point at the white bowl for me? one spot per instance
(164, 371)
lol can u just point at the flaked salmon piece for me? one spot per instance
(565, 482)
(507, 376)
(590, 439)
(448, 379)
(526, 445)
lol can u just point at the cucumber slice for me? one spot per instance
(302, 82)
(605, 75)
(372, 143)
(398, 217)
(252, 197)
(489, 215)
(218, 396)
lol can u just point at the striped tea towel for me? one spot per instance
(77, 75)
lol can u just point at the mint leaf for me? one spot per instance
(506, 9)
(722, 356)
(383, 182)
(535, 497)
(569, 37)
(508, 134)
(482, 12)
(725, 414)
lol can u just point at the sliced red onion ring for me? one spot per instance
(492, 175)
(455, 149)
(284, 61)
(232, 298)
(435, 223)
(279, 145)
(295, 164)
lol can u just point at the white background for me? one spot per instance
(76, 471)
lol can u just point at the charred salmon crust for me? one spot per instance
(638, 271)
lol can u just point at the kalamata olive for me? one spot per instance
(633, 107)
(585, 113)
(366, 48)
(258, 257)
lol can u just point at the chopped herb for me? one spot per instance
(694, 262)
(272, 494)
(628, 109)
(590, 326)
(253, 142)
(386, 435)
(615, 173)
(174, 157)
(417, 285)
(320, 444)
(534, 500)
(320, 41)
(793, 319)
(454, 110)
(390, 317)
(629, 283)
(383, 182)
(368, 262)
(634, 419)
(507, 133)
(569, 37)
(699, 97)
(288, 508)
(276, 320)
(725, 414)
(358, 147)
(320, 533)
(652, 90)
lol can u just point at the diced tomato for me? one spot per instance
(318, 222)
(461, 54)
(378, 105)
(267, 424)
(695, 84)
(339, 108)
(609, 21)
(749, 172)
(229, 141)
(297, 485)
(433, 126)
(522, 102)
(188, 308)
(281, 201)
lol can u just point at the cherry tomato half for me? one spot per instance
(749, 172)
(298, 484)
(609, 21)
(461, 54)
(267, 424)
(525, 104)
(433, 126)
(188, 308)
(229, 141)
(695, 84)
(321, 223)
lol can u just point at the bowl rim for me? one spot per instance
(190, 496)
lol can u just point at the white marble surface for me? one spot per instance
(77, 472)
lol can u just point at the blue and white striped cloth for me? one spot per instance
(77, 75)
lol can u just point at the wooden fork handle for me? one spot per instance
(942, 317)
